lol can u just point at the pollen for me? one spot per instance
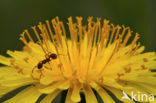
(143, 67)
(145, 59)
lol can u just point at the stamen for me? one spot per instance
(95, 33)
(84, 29)
(105, 33)
(111, 56)
(38, 37)
(90, 22)
(126, 38)
(124, 30)
(26, 31)
(112, 34)
(46, 32)
(44, 37)
(52, 36)
(91, 34)
(47, 35)
(79, 24)
(55, 26)
(63, 29)
(90, 55)
(71, 28)
(59, 29)
(134, 41)
(93, 38)
(134, 51)
(64, 34)
(49, 28)
(22, 38)
(99, 26)
(117, 32)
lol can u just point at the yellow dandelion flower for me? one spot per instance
(98, 58)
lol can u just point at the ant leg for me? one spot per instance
(34, 77)
(47, 55)
(33, 69)
(47, 67)
(62, 54)
(32, 73)
(40, 75)
(60, 66)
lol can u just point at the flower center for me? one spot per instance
(86, 55)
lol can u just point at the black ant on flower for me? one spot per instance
(39, 66)
(51, 56)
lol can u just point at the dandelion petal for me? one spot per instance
(28, 95)
(89, 95)
(68, 96)
(50, 97)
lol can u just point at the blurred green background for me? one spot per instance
(17, 15)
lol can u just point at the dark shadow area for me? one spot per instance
(12, 93)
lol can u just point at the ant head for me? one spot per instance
(53, 56)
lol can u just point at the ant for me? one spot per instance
(40, 64)
(47, 60)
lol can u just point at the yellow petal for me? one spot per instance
(109, 81)
(50, 76)
(28, 95)
(4, 60)
(103, 94)
(64, 85)
(68, 97)
(7, 71)
(4, 90)
(75, 96)
(89, 95)
(50, 97)
(16, 82)
(53, 87)
(150, 88)
(9, 77)
(118, 93)
(140, 77)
